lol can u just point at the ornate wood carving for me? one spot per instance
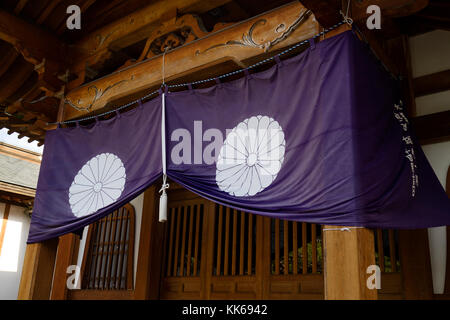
(147, 74)
(248, 38)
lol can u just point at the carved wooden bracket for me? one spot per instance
(282, 27)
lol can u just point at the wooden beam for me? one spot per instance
(208, 52)
(433, 127)
(415, 264)
(432, 83)
(34, 43)
(37, 271)
(138, 25)
(48, 9)
(20, 5)
(347, 254)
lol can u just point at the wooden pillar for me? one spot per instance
(37, 271)
(65, 256)
(415, 264)
(347, 254)
(39, 260)
(150, 253)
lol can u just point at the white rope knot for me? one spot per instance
(164, 187)
(347, 19)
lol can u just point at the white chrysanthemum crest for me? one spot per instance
(251, 156)
(99, 183)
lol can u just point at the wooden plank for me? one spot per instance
(347, 254)
(101, 253)
(277, 246)
(432, 83)
(294, 248)
(190, 235)
(183, 241)
(286, 246)
(101, 295)
(177, 242)
(3, 225)
(207, 249)
(241, 242)
(234, 241)
(150, 254)
(94, 254)
(250, 244)
(432, 128)
(121, 252)
(304, 248)
(131, 235)
(110, 251)
(314, 248)
(222, 210)
(64, 258)
(415, 264)
(170, 238)
(196, 243)
(227, 242)
(37, 271)
(380, 249)
(192, 57)
(392, 251)
(117, 275)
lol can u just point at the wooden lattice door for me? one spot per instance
(215, 252)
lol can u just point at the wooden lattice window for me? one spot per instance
(185, 223)
(234, 243)
(109, 252)
(296, 248)
(386, 250)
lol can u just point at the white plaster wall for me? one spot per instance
(430, 53)
(137, 203)
(13, 251)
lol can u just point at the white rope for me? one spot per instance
(342, 229)
(165, 185)
(347, 19)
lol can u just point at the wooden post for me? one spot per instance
(67, 246)
(150, 253)
(415, 264)
(39, 260)
(37, 271)
(347, 254)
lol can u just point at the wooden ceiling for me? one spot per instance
(39, 55)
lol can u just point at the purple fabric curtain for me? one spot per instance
(88, 172)
(321, 137)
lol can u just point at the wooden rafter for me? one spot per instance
(19, 7)
(34, 43)
(139, 24)
(229, 44)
